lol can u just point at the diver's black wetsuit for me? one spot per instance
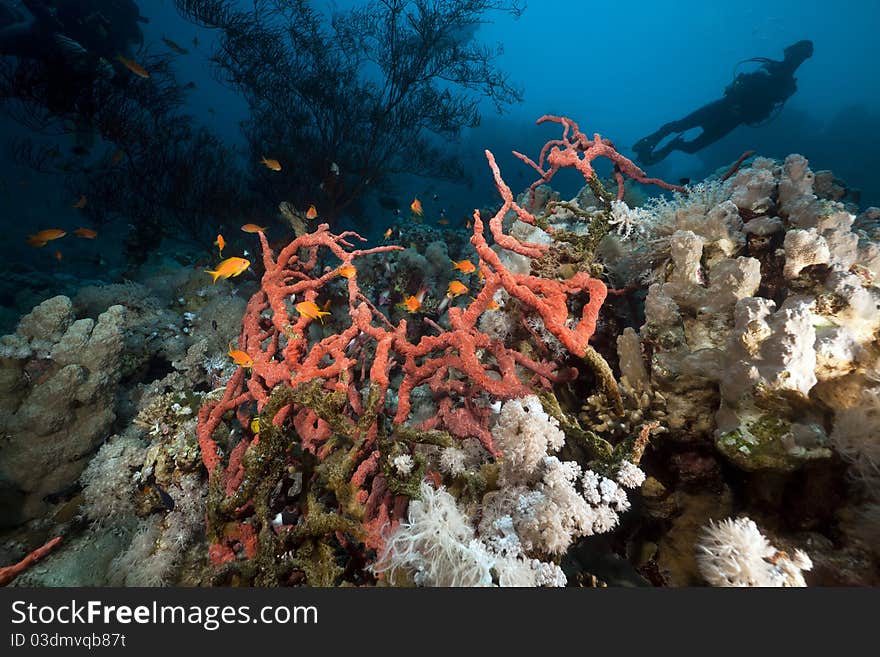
(750, 99)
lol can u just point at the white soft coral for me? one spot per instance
(734, 552)
(628, 220)
(525, 434)
(542, 505)
(552, 503)
(436, 546)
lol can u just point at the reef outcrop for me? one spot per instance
(58, 379)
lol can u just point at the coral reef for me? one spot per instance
(620, 379)
(127, 458)
(761, 328)
(59, 377)
(329, 393)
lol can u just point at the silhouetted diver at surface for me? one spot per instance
(750, 99)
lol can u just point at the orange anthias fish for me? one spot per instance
(58, 256)
(176, 48)
(220, 242)
(388, 233)
(275, 165)
(311, 310)
(86, 233)
(346, 271)
(455, 288)
(253, 228)
(40, 239)
(133, 66)
(464, 266)
(492, 305)
(117, 156)
(81, 203)
(312, 213)
(416, 207)
(412, 304)
(229, 267)
(443, 221)
(240, 357)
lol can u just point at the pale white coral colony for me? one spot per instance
(542, 506)
(734, 552)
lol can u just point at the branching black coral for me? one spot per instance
(344, 105)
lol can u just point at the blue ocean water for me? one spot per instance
(144, 141)
(619, 69)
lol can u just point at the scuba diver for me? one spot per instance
(749, 100)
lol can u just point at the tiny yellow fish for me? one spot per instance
(133, 66)
(312, 212)
(240, 357)
(416, 207)
(253, 228)
(311, 310)
(275, 165)
(255, 425)
(40, 239)
(388, 233)
(464, 266)
(176, 48)
(229, 267)
(455, 288)
(86, 233)
(81, 203)
(346, 271)
(220, 242)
